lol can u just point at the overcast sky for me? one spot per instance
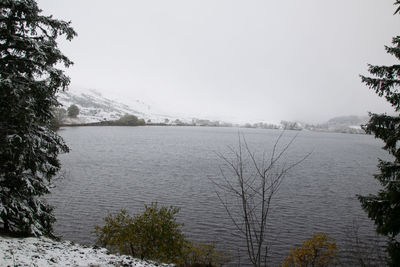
(234, 60)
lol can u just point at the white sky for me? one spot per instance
(242, 60)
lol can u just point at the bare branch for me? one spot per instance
(253, 184)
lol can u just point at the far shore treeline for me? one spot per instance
(126, 120)
(334, 125)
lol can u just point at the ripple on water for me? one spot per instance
(110, 168)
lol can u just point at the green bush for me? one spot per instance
(153, 235)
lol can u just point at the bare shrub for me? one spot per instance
(251, 182)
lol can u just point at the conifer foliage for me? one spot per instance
(384, 207)
(29, 81)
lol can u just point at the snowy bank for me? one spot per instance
(46, 252)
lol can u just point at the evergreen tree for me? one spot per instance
(384, 207)
(29, 82)
(73, 111)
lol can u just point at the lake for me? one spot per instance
(110, 168)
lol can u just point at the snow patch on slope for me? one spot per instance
(46, 252)
(94, 107)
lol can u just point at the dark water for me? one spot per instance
(110, 168)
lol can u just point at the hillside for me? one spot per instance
(343, 124)
(94, 107)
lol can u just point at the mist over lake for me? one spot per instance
(110, 168)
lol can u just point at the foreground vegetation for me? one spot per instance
(319, 250)
(155, 235)
(384, 207)
(29, 147)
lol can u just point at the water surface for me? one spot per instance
(110, 168)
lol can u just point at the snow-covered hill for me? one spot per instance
(94, 107)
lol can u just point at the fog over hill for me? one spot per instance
(95, 107)
(342, 124)
(348, 120)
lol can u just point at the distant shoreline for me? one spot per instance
(147, 124)
(114, 123)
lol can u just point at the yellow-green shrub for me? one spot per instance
(318, 251)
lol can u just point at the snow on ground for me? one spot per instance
(356, 127)
(46, 252)
(94, 107)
